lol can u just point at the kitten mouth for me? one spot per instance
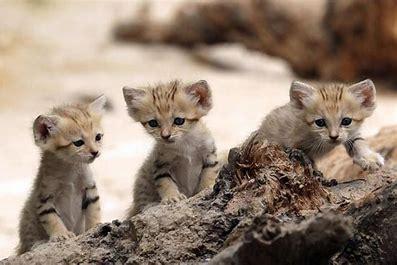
(91, 159)
(169, 141)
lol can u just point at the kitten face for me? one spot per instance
(73, 133)
(169, 111)
(334, 112)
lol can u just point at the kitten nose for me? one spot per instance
(334, 137)
(94, 154)
(166, 136)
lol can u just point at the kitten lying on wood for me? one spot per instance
(318, 118)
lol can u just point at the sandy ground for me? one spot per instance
(52, 51)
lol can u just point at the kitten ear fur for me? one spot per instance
(98, 105)
(132, 94)
(44, 127)
(365, 93)
(200, 94)
(132, 98)
(301, 94)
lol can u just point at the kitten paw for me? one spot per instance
(62, 236)
(207, 184)
(172, 198)
(372, 161)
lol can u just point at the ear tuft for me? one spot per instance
(365, 93)
(200, 93)
(300, 94)
(98, 105)
(44, 127)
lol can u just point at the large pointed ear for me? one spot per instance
(301, 94)
(98, 105)
(44, 127)
(200, 94)
(365, 93)
(132, 95)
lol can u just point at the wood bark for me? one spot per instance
(267, 207)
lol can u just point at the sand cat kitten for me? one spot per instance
(64, 201)
(319, 118)
(183, 160)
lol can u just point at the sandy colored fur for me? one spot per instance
(63, 201)
(293, 125)
(186, 162)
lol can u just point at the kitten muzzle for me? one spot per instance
(334, 139)
(169, 140)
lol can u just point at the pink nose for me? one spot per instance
(165, 136)
(334, 137)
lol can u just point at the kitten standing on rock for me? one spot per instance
(318, 118)
(64, 201)
(183, 160)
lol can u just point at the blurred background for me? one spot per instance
(52, 52)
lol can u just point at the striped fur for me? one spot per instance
(64, 201)
(183, 160)
(295, 124)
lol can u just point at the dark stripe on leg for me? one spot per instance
(88, 201)
(349, 144)
(91, 188)
(158, 164)
(213, 164)
(47, 211)
(44, 199)
(160, 176)
(357, 138)
(165, 175)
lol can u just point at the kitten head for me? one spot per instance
(73, 133)
(168, 111)
(335, 111)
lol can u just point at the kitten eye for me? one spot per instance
(78, 143)
(320, 122)
(346, 121)
(98, 137)
(153, 123)
(179, 121)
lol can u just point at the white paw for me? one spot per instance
(62, 236)
(371, 161)
(172, 198)
(209, 184)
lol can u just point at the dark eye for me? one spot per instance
(179, 121)
(78, 143)
(320, 122)
(346, 121)
(98, 137)
(153, 123)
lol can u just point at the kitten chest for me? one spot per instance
(69, 204)
(187, 170)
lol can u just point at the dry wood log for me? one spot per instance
(330, 39)
(266, 206)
